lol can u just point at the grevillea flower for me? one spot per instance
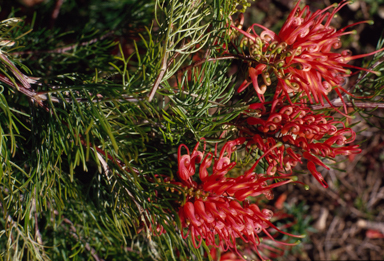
(215, 206)
(267, 248)
(302, 133)
(300, 55)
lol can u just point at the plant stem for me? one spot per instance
(339, 103)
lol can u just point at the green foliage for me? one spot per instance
(80, 152)
(93, 107)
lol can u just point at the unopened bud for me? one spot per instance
(279, 144)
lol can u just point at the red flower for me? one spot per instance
(300, 55)
(187, 162)
(226, 219)
(215, 206)
(301, 132)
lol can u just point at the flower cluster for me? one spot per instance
(216, 206)
(300, 55)
(301, 131)
(300, 60)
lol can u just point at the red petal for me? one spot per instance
(312, 168)
(189, 211)
(200, 209)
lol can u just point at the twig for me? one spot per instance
(322, 220)
(328, 236)
(371, 225)
(25, 80)
(28, 92)
(159, 78)
(338, 103)
(163, 62)
(176, 54)
(375, 194)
